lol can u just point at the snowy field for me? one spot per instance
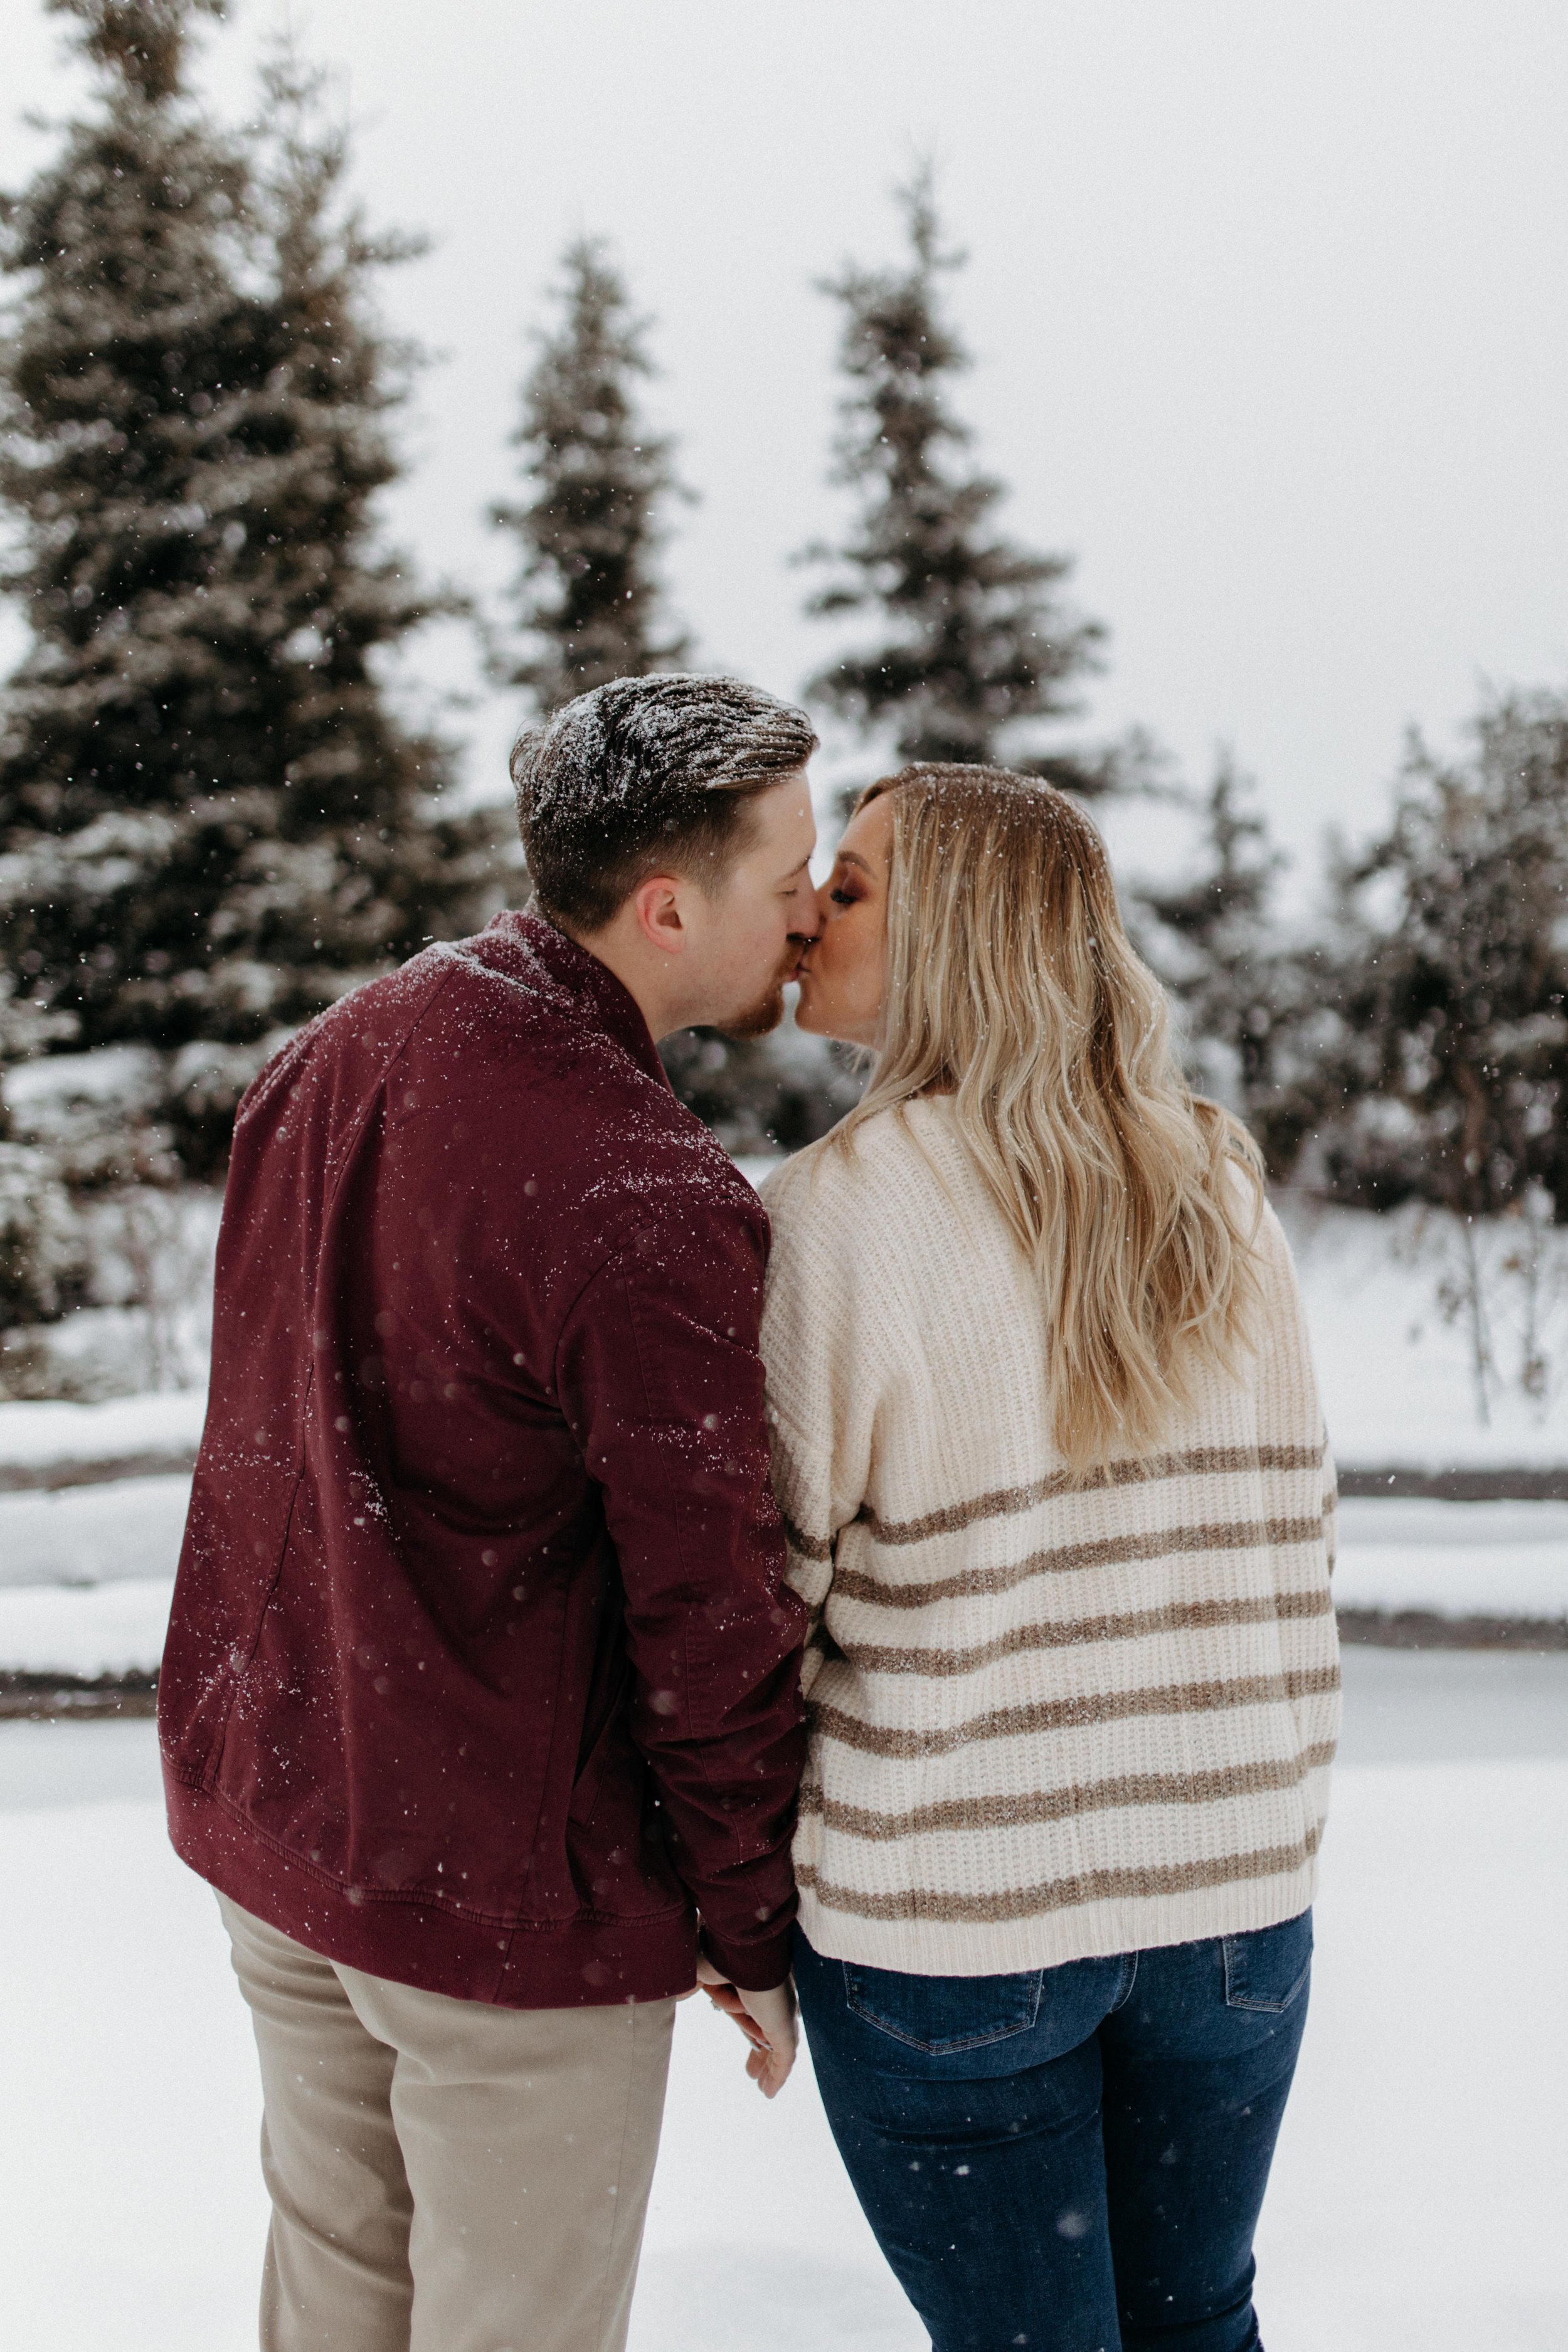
(1418, 2199)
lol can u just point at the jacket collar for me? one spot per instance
(600, 999)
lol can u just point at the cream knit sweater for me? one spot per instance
(1048, 1719)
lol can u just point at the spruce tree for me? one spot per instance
(977, 643)
(1216, 942)
(44, 1267)
(586, 593)
(1260, 1001)
(210, 817)
(1447, 1074)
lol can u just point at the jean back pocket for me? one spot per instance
(1269, 1968)
(940, 2015)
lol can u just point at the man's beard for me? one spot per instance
(759, 1018)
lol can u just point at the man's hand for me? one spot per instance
(767, 2021)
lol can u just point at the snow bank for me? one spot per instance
(1456, 1560)
(105, 1629)
(128, 1530)
(36, 1436)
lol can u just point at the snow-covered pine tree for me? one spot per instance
(44, 1265)
(1215, 943)
(587, 595)
(211, 818)
(977, 644)
(1448, 1078)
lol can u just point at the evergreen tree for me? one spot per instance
(587, 597)
(1446, 1077)
(977, 644)
(210, 817)
(44, 1265)
(1215, 943)
(1260, 1005)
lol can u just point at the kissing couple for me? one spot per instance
(909, 1597)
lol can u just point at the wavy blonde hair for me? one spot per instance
(1013, 987)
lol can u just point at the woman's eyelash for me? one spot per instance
(842, 898)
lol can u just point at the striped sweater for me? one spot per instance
(1049, 1717)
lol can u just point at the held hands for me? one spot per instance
(767, 2021)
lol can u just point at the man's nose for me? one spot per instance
(806, 920)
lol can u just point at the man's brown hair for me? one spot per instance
(643, 775)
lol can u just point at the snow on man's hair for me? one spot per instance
(641, 773)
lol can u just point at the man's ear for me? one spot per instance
(656, 910)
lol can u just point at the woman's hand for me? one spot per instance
(767, 2021)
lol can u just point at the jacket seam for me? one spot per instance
(555, 1729)
(213, 1763)
(698, 1742)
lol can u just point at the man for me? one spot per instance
(481, 1701)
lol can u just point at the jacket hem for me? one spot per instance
(587, 1961)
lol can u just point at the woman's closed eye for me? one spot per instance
(842, 898)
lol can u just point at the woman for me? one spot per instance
(1056, 1486)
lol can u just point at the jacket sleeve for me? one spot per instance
(659, 1377)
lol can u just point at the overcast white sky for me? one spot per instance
(1268, 304)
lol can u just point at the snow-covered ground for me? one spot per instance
(101, 1534)
(38, 1437)
(86, 1574)
(1458, 1559)
(1418, 2199)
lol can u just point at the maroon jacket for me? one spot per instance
(480, 1674)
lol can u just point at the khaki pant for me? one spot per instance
(445, 2176)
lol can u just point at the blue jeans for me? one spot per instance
(1074, 2159)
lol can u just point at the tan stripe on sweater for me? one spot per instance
(1062, 1634)
(1034, 1806)
(1072, 1714)
(809, 1547)
(1102, 1551)
(1143, 1881)
(1205, 1461)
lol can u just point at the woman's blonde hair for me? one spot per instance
(1013, 987)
